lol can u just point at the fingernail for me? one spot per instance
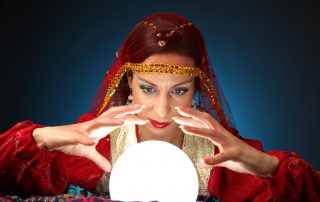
(186, 127)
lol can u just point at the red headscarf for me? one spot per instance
(179, 35)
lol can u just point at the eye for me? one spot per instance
(147, 89)
(180, 91)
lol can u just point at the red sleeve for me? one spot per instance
(295, 180)
(24, 168)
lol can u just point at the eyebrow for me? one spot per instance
(178, 84)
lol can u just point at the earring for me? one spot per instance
(129, 99)
(194, 106)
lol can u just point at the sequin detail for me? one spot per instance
(167, 34)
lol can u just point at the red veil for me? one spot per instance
(161, 33)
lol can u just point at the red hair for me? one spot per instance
(142, 41)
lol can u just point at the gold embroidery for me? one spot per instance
(205, 81)
(120, 140)
(163, 68)
(197, 148)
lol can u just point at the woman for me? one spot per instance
(163, 73)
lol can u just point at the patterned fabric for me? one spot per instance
(78, 194)
(295, 180)
(75, 189)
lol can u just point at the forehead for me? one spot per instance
(170, 58)
(162, 78)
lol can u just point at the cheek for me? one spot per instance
(185, 102)
(139, 97)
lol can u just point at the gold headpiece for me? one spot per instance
(146, 68)
(162, 42)
(163, 68)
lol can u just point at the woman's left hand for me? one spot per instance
(234, 154)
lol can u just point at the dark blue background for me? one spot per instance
(266, 55)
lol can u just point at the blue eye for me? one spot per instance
(180, 91)
(147, 89)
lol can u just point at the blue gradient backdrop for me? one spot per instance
(266, 56)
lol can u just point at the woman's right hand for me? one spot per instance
(80, 139)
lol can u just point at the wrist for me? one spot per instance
(275, 165)
(45, 137)
(83, 128)
(37, 134)
(259, 163)
(271, 164)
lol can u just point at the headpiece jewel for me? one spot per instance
(162, 36)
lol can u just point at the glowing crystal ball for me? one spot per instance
(154, 170)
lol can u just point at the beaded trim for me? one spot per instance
(147, 68)
(165, 68)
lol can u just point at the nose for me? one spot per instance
(162, 106)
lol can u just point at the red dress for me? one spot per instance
(24, 168)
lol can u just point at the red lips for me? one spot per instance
(159, 124)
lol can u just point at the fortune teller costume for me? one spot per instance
(114, 91)
(24, 168)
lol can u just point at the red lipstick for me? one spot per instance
(159, 124)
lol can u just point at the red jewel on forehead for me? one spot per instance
(162, 43)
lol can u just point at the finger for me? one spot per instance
(121, 109)
(131, 111)
(99, 160)
(216, 160)
(101, 132)
(188, 121)
(203, 132)
(202, 164)
(133, 119)
(105, 121)
(101, 127)
(195, 115)
(85, 140)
